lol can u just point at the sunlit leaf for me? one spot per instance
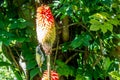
(106, 26)
(114, 21)
(103, 28)
(115, 75)
(109, 26)
(106, 63)
(80, 77)
(94, 27)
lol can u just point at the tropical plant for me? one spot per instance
(87, 46)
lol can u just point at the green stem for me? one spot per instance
(48, 67)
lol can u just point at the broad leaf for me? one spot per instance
(115, 75)
(33, 73)
(81, 40)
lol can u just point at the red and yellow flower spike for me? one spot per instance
(54, 76)
(45, 27)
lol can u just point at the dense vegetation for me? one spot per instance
(87, 46)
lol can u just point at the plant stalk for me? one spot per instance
(48, 67)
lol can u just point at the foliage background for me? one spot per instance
(87, 46)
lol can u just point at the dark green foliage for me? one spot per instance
(91, 53)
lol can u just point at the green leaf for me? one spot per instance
(106, 63)
(14, 25)
(65, 46)
(20, 39)
(80, 77)
(31, 64)
(114, 21)
(81, 40)
(26, 52)
(115, 75)
(109, 26)
(33, 73)
(77, 42)
(64, 69)
(5, 64)
(105, 27)
(1, 24)
(94, 21)
(22, 25)
(95, 25)
(18, 24)
(99, 16)
(17, 74)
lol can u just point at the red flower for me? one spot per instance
(45, 28)
(54, 76)
(44, 16)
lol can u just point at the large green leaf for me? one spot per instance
(33, 73)
(95, 25)
(100, 21)
(115, 75)
(106, 63)
(106, 26)
(31, 64)
(114, 21)
(81, 40)
(64, 69)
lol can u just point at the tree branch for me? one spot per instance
(70, 58)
